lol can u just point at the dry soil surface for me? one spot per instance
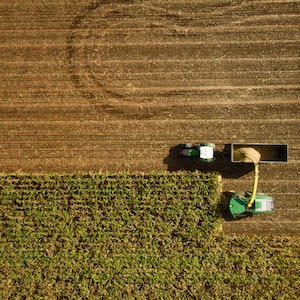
(117, 85)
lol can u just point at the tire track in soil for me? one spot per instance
(79, 82)
(124, 97)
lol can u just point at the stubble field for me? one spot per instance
(116, 85)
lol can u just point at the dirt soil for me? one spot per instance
(118, 85)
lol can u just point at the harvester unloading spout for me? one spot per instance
(255, 184)
(249, 154)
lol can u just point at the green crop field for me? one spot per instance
(155, 236)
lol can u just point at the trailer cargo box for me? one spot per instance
(269, 152)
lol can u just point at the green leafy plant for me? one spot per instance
(126, 236)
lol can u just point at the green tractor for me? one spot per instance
(203, 152)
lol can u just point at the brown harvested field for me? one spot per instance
(115, 85)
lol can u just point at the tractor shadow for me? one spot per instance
(222, 165)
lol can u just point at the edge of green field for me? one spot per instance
(126, 236)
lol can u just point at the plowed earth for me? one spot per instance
(117, 85)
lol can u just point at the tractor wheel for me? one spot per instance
(188, 145)
(212, 145)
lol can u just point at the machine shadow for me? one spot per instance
(176, 162)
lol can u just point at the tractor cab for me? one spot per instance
(206, 152)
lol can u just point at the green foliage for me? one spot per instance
(91, 236)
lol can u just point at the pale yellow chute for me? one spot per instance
(248, 154)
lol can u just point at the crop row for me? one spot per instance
(154, 236)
